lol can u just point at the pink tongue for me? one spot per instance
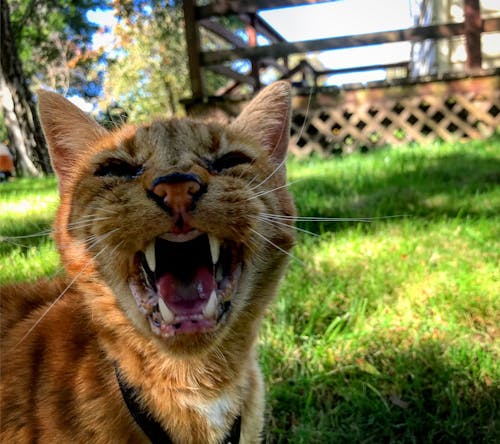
(186, 297)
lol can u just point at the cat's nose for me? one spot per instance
(177, 193)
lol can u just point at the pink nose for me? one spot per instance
(177, 194)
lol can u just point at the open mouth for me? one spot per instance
(184, 282)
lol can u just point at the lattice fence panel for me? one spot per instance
(369, 118)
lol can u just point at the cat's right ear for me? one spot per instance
(267, 118)
(69, 132)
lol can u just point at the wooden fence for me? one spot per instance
(339, 121)
(342, 121)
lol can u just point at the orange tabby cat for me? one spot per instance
(168, 271)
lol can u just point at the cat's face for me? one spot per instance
(170, 215)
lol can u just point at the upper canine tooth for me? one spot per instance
(211, 307)
(166, 313)
(214, 248)
(150, 254)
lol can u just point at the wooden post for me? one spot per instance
(193, 49)
(252, 42)
(473, 27)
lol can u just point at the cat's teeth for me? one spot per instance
(210, 309)
(214, 248)
(166, 313)
(218, 274)
(151, 256)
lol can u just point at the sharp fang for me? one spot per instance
(166, 313)
(210, 309)
(214, 248)
(151, 256)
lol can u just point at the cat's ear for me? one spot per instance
(267, 117)
(68, 130)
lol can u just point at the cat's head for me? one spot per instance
(186, 223)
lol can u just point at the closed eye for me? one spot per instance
(118, 168)
(230, 160)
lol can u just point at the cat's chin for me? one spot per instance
(183, 283)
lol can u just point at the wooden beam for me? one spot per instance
(238, 42)
(267, 62)
(300, 67)
(473, 27)
(224, 33)
(252, 42)
(283, 49)
(228, 72)
(193, 49)
(227, 89)
(286, 48)
(329, 72)
(263, 28)
(226, 7)
(491, 25)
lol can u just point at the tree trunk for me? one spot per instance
(22, 120)
(171, 99)
(23, 163)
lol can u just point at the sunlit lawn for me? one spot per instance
(384, 331)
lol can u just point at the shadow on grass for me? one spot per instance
(418, 396)
(450, 186)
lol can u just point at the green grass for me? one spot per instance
(388, 332)
(384, 332)
(27, 208)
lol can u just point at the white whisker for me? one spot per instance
(282, 163)
(101, 208)
(99, 238)
(79, 227)
(277, 246)
(93, 217)
(277, 222)
(89, 220)
(262, 193)
(307, 113)
(58, 298)
(17, 244)
(331, 219)
(26, 236)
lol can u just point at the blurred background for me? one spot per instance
(365, 73)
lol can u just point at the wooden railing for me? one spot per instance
(458, 106)
(276, 53)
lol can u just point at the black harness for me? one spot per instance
(150, 426)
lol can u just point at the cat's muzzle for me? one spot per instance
(184, 282)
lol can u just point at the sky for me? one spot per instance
(331, 19)
(347, 17)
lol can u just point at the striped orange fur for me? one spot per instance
(168, 272)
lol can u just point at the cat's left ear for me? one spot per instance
(69, 132)
(267, 118)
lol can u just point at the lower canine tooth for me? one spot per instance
(211, 307)
(166, 313)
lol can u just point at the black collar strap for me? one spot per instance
(150, 426)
